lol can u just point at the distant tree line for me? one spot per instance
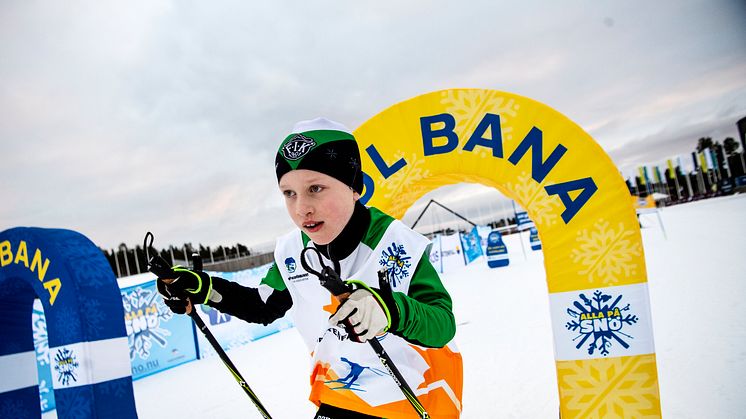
(719, 169)
(127, 261)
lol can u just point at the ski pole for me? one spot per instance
(162, 269)
(330, 280)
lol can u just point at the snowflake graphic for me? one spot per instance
(10, 408)
(594, 388)
(94, 315)
(65, 363)
(544, 210)
(607, 254)
(397, 264)
(41, 339)
(75, 403)
(405, 181)
(603, 322)
(92, 269)
(468, 108)
(144, 312)
(66, 324)
(116, 389)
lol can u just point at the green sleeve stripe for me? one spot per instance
(377, 297)
(273, 278)
(426, 315)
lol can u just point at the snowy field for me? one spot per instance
(697, 281)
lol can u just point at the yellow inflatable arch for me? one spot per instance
(590, 236)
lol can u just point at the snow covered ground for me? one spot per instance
(697, 281)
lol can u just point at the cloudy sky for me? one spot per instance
(122, 117)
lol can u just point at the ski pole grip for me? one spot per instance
(330, 280)
(196, 262)
(159, 266)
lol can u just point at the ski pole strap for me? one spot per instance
(328, 277)
(156, 264)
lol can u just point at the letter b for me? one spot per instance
(428, 134)
(6, 255)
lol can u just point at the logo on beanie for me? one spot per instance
(297, 147)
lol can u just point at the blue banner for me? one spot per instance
(534, 239)
(497, 252)
(41, 346)
(471, 245)
(157, 338)
(435, 258)
(522, 220)
(232, 332)
(82, 338)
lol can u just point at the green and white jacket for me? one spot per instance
(345, 373)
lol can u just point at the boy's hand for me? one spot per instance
(185, 284)
(179, 304)
(362, 316)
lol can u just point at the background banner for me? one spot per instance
(231, 332)
(450, 252)
(497, 252)
(435, 258)
(41, 345)
(157, 338)
(523, 221)
(470, 242)
(534, 239)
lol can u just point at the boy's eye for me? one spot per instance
(288, 194)
(316, 188)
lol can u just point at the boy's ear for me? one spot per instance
(355, 195)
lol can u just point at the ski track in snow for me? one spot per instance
(697, 282)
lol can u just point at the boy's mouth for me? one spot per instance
(313, 227)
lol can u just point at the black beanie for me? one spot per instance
(324, 146)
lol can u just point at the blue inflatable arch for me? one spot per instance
(88, 348)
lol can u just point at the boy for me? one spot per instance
(319, 174)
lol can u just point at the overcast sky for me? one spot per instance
(121, 117)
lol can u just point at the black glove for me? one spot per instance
(193, 285)
(177, 304)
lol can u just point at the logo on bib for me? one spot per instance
(601, 322)
(297, 147)
(290, 264)
(394, 258)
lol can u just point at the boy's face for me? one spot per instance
(319, 204)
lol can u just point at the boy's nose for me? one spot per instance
(303, 209)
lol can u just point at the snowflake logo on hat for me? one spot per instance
(297, 147)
